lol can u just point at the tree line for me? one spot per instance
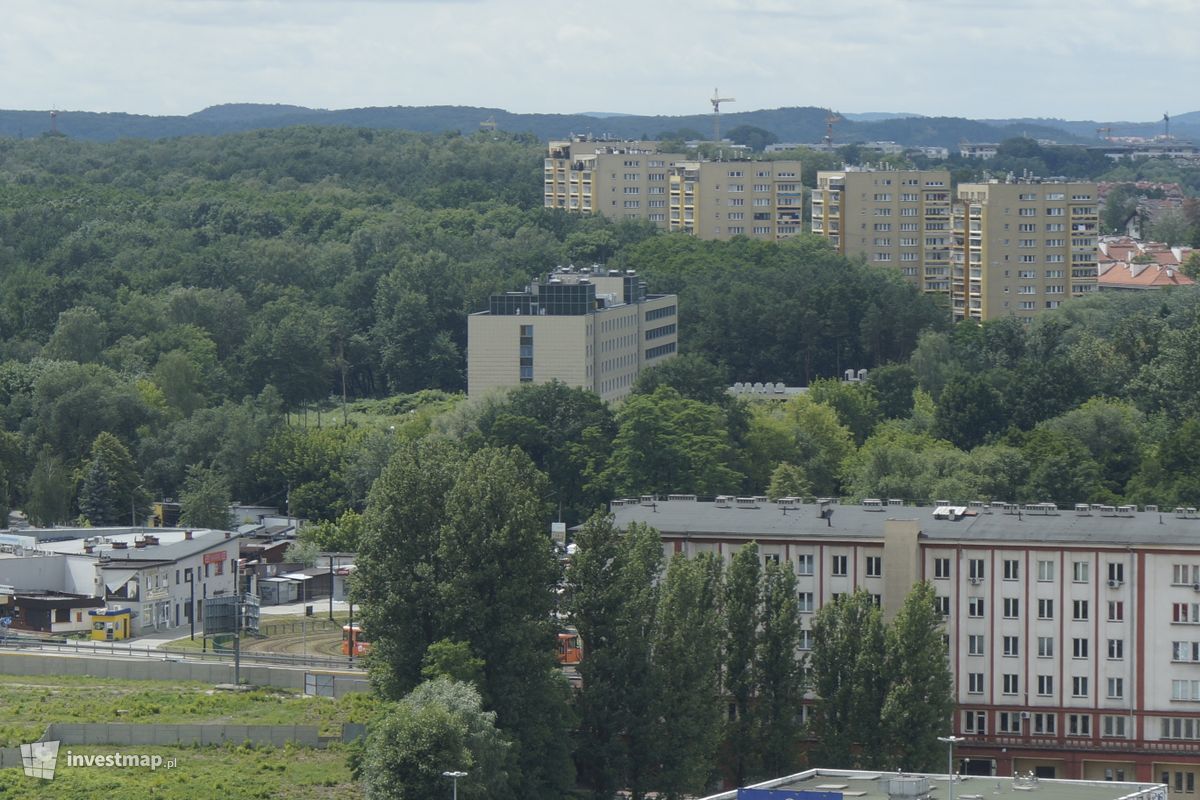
(693, 669)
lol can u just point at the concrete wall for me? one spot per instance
(150, 669)
(160, 735)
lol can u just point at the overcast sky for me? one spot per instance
(1077, 59)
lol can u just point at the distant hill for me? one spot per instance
(792, 124)
(876, 116)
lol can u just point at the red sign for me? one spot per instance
(215, 558)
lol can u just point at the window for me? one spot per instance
(1116, 688)
(943, 605)
(1116, 611)
(1045, 571)
(1008, 722)
(840, 566)
(1011, 683)
(975, 721)
(1116, 649)
(805, 640)
(806, 602)
(1079, 724)
(1046, 608)
(1027, 212)
(1012, 646)
(1012, 570)
(975, 683)
(1079, 686)
(975, 569)
(1186, 574)
(1185, 612)
(1079, 571)
(1176, 728)
(1045, 647)
(804, 564)
(1012, 608)
(1185, 690)
(1045, 685)
(1185, 651)
(1113, 726)
(1045, 724)
(975, 644)
(975, 607)
(1079, 611)
(941, 568)
(1079, 648)
(874, 566)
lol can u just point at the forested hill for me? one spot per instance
(792, 124)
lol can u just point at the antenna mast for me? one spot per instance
(829, 120)
(716, 101)
(54, 121)
(1166, 125)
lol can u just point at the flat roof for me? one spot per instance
(863, 785)
(1024, 524)
(173, 544)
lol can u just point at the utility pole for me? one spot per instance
(454, 776)
(950, 741)
(237, 627)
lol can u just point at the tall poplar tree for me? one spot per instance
(742, 618)
(779, 674)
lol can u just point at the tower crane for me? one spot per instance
(716, 101)
(829, 120)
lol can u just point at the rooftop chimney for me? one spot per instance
(187, 536)
(120, 545)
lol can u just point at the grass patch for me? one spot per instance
(229, 772)
(29, 703)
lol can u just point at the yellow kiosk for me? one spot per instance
(110, 624)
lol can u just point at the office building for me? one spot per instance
(1073, 635)
(593, 328)
(708, 199)
(1021, 247)
(891, 218)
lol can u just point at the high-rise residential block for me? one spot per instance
(593, 328)
(891, 218)
(708, 199)
(1022, 247)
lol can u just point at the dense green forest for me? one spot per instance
(196, 298)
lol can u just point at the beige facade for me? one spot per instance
(589, 328)
(1023, 247)
(891, 218)
(709, 199)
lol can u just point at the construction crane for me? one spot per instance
(488, 124)
(716, 101)
(1105, 133)
(829, 120)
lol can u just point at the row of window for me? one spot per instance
(1011, 608)
(1045, 646)
(1041, 723)
(1010, 684)
(1046, 570)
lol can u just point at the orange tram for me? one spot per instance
(354, 641)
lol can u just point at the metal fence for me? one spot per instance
(130, 649)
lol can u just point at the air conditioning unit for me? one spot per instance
(976, 581)
(1196, 586)
(1024, 715)
(1113, 583)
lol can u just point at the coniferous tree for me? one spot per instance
(779, 674)
(848, 660)
(742, 619)
(920, 699)
(110, 492)
(614, 584)
(687, 660)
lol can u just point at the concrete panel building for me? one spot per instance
(1022, 247)
(891, 218)
(1072, 633)
(592, 328)
(708, 199)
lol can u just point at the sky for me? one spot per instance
(1099, 59)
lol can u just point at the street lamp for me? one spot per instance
(950, 742)
(454, 776)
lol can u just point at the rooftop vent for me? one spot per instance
(872, 504)
(723, 501)
(747, 502)
(905, 786)
(120, 545)
(1083, 510)
(683, 498)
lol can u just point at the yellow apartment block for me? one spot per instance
(592, 328)
(1021, 247)
(708, 199)
(890, 218)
